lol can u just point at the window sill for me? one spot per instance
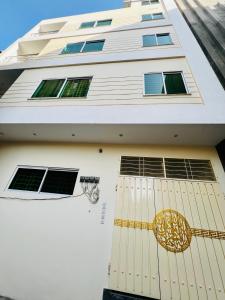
(55, 98)
(166, 95)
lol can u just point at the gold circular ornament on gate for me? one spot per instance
(172, 230)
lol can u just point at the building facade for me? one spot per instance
(111, 185)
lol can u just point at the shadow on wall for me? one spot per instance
(207, 22)
(5, 298)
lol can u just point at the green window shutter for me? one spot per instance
(93, 46)
(48, 88)
(154, 84)
(154, 1)
(157, 16)
(87, 25)
(147, 17)
(149, 40)
(73, 48)
(164, 39)
(76, 88)
(174, 83)
(104, 23)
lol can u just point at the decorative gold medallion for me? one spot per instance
(171, 230)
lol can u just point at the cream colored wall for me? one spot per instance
(58, 249)
(112, 84)
(115, 42)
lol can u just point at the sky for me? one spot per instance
(19, 16)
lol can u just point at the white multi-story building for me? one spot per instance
(110, 179)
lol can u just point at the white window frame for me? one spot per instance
(156, 34)
(42, 182)
(62, 87)
(96, 22)
(162, 74)
(163, 17)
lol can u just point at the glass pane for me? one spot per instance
(149, 40)
(146, 17)
(59, 182)
(73, 48)
(157, 16)
(87, 24)
(145, 2)
(104, 23)
(154, 84)
(154, 1)
(174, 83)
(164, 39)
(48, 88)
(27, 179)
(76, 88)
(93, 46)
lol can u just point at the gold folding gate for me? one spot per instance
(169, 239)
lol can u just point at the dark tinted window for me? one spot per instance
(27, 179)
(59, 182)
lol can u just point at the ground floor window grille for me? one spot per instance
(191, 169)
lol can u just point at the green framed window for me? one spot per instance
(87, 25)
(48, 88)
(157, 40)
(164, 83)
(164, 39)
(104, 22)
(150, 17)
(73, 48)
(99, 23)
(157, 16)
(149, 40)
(76, 88)
(147, 17)
(63, 88)
(154, 84)
(44, 180)
(148, 2)
(90, 46)
(93, 46)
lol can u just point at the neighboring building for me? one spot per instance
(206, 19)
(110, 178)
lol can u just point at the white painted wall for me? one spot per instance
(58, 249)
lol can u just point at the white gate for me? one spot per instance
(169, 240)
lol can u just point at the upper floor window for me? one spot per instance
(149, 17)
(63, 88)
(164, 83)
(91, 46)
(157, 40)
(44, 180)
(92, 24)
(148, 2)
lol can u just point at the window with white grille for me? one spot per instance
(174, 168)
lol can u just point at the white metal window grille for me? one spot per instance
(191, 169)
(44, 180)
